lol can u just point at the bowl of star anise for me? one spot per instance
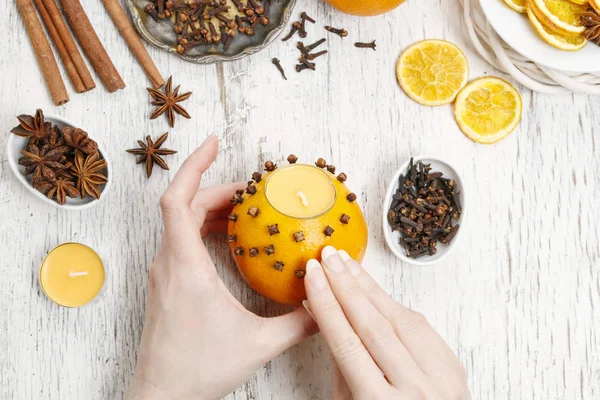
(58, 162)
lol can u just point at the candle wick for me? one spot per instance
(76, 274)
(302, 197)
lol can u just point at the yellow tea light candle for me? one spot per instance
(72, 275)
(300, 191)
(285, 217)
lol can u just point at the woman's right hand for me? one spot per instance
(383, 350)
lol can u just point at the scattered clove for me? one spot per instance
(361, 45)
(344, 219)
(277, 63)
(328, 231)
(340, 32)
(295, 28)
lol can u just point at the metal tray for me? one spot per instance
(161, 35)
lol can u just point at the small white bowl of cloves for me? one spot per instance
(57, 162)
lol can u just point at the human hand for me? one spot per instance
(199, 342)
(369, 333)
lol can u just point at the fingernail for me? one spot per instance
(331, 264)
(345, 256)
(307, 307)
(315, 274)
(353, 266)
(208, 139)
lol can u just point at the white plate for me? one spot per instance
(17, 143)
(393, 238)
(517, 31)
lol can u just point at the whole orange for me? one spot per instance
(274, 264)
(365, 7)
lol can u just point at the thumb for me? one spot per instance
(281, 333)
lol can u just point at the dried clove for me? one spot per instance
(362, 45)
(253, 252)
(257, 177)
(279, 67)
(292, 159)
(321, 163)
(331, 168)
(316, 55)
(232, 217)
(295, 28)
(273, 229)
(300, 273)
(344, 219)
(340, 32)
(328, 231)
(301, 67)
(351, 197)
(299, 236)
(270, 166)
(251, 189)
(315, 45)
(236, 199)
(230, 238)
(279, 265)
(238, 251)
(253, 212)
(270, 250)
(342, 177)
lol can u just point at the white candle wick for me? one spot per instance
(302, 197)
(76, 274)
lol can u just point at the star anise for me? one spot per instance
(58, 189)
(40, 163)
(167, 102)
(34, 128)
(79, 140)
(591, 21)
(151, 153)
(88, 172)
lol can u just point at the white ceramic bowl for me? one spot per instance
(17, 143)
(517, 31)
(393, 238)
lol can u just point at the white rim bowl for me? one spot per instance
(17, 143)
(393, 238)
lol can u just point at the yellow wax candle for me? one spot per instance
(300, 191)
(72, 274)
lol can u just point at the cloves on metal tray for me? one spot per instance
(423, 210)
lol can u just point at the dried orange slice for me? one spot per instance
(488, 109)
(431, 72)
(567, 43)
(517, 5)
(561, 16)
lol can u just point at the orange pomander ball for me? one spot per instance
(271, 249)
(365, 7)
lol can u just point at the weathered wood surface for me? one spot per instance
(519, 300)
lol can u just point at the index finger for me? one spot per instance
(355, 362)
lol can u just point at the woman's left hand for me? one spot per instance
(199, 341)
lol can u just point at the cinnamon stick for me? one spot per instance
(43, 52)
(62, 51)
(69, 43)
(92, 47)
(133, 41)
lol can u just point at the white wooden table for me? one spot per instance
(519, 299)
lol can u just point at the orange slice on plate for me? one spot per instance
(562, 42)
(517, 5)
(561, 16)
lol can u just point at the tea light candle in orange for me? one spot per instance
(72, 275)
